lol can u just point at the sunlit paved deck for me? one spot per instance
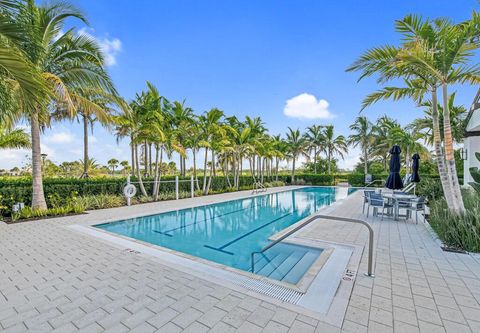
(55, 279)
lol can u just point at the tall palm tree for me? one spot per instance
(334, 145)
(125, 167)
(432, 56)
(363, 137)
(182, 119)
(297, 146)
(65, 61)
(212, 129)
(314, 136)
(14, 139)
(113, 163)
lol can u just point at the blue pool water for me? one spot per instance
(228, 232)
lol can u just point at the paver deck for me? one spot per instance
(55, 279)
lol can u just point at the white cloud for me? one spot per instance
(92, 139)
(306, 106)
(60, 137)
(110, 47)
(14, 157)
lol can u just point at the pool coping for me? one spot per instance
(341, 291)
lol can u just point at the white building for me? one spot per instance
(471, 143)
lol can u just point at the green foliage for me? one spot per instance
(32, 213)
(430, 188)
(322, 166)
(356, 179)
(101, 201)
(459, 231)
(475, 172)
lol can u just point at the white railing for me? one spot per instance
(258, 187)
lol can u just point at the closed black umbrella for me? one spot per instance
(415, 178)
(394, 181)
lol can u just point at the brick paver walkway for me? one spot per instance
(55, 279)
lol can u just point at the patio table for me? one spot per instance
(395, 199)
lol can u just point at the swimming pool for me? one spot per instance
(228, 232)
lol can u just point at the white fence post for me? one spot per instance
(192, 188)
(176, 187)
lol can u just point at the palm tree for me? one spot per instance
(363, 137)
(125, 167)
(113, 163)
(314, 136)
(212, 129)
(408, 141)
(433, 55)
(382, 144)
(297, 145)
(457, 118)
(65, 62)
(334, 145)
(182, 120)
(94, 106)
(14, 139)
(92, 164)
(21, 84)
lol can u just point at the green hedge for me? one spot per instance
(14, 190)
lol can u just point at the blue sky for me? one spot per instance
(246, 58)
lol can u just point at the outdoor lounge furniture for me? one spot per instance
(377, 201)
(398, 201)
(416, 205)
(366, 195)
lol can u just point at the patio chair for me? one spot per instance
(377, 201)
(417, 205)
(366, 195)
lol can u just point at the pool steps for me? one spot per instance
(285, 262)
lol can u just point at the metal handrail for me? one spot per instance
(373, 182)
(327, 217)
(257, 186)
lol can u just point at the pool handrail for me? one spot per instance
(326, 217)
(257, 187)
(374, 181)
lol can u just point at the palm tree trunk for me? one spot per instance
(315, 160)
(276, 168)
(194, 152)
(440, 159)
(293, 169)
(251, 161)
(365, 161)
(85, 147)
(225, 170)
(150, 158)
(211, 173)
(329, 164)
(204, 185)
(145, 158)
(132, 148)
(38, 196)
(155, 178)
(139, 173)
(449, 155)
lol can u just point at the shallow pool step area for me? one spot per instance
(285, 262)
